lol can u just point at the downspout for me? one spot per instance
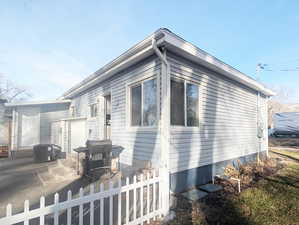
(165, 104)
(164, 125)
(258, 127)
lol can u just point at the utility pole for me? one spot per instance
(259, 67)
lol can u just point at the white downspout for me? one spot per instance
(258, 127)
(165, 125)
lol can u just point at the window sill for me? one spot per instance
(183, 128)
(91, 118)
(143, 129)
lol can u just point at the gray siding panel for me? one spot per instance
(138, 144)
(48, 114)
(228, 120)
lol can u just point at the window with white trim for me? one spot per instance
(184, 103)
(143, 107)
(72, 111)
(93, 110)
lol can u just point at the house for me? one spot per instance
(5, 125)
(169, 104)
(32, 123)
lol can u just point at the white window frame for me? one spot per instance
(90, 110)
(72, 111)
(185, 81)
(137, 82)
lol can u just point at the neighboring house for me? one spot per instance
(32, 122)
(169, 104)
(5, 126)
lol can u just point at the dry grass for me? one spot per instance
(270, 195)
(284, 142)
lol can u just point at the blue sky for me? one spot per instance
(48, 46)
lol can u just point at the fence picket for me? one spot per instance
(152, 209)
(101, 206)
(56, 213)
(8, 210)
(127, 202)
(91, 211)
(134, 199)
(141, 197)
(81, 207)
(148, 197)
(119, 203)
(69, 210)
(26, 211)
(111, 204)
(42, 205)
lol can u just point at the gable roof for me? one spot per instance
(173, 42)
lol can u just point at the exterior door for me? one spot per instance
(78, 133)
(107, 126)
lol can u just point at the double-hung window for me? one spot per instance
(184, 103)
(143, 107)
(93, 110)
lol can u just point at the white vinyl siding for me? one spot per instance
(138, 144)
(227, 120)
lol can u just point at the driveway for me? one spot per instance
(19, 181)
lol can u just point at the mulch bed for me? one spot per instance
(217, 208)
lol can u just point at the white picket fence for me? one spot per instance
(137, 202)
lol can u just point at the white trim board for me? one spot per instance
(174, 43)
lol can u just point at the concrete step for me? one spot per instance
(69, 162)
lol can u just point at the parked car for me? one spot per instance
(3, 150)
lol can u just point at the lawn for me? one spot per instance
(273, 200)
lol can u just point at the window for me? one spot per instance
(184, 103)
(144, 103)
(72, 111)
(94, 110)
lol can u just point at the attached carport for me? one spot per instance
(31, 123)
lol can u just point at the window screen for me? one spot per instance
(136, 105)
(177, 103)
(150, 103)
(192, 104)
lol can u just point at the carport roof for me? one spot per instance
(37, 103)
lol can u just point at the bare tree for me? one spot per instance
(12, 92)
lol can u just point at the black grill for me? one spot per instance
(98, 155)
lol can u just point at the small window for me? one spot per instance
(94, 110)
(144, 103)
(72, 111)
(184, 103)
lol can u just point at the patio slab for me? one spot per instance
(194, 194)
(211, 187)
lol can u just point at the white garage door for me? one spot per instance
(78, 133)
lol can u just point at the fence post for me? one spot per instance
(165, 191)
